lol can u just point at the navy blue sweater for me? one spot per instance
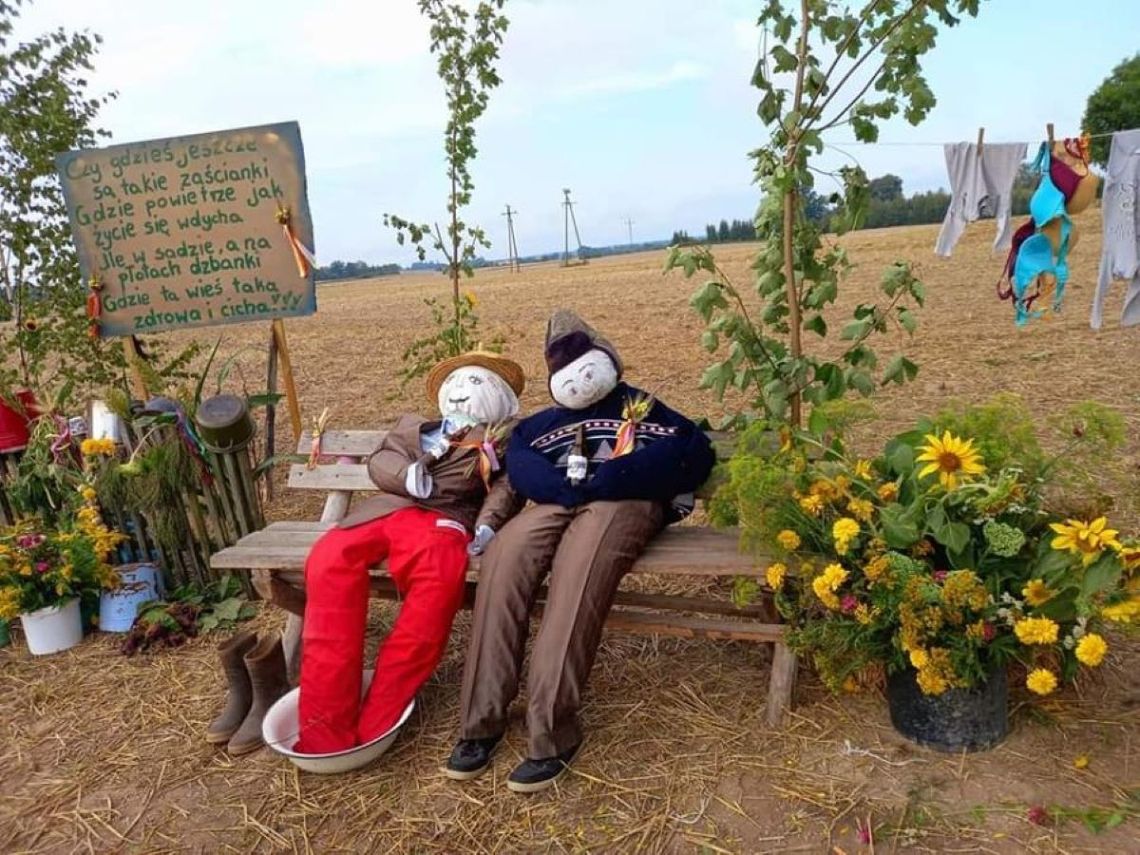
(671, 458)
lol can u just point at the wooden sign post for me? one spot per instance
(195, 231)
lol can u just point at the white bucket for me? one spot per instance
(280, 730)
(118, 608)
(53, 629)
(104, 424)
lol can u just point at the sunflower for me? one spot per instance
(952, 458)
(1087, 539)
(1036, 593)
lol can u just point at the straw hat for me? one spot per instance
(509, 370)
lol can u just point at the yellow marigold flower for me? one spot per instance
(861, 509)
(1124, 612)
(1086, 539)
(1037, 593)
(88, 493)
(1036, 631)
(824, 489)
(876, 568)
(863, 614)
(835, 575)
(845, 528)
(888, 492)
(919, 658)
(789, 540)
(862, 470)
(812, 505)
(823, 590)
(954, 460)
(1091, 649)
(1040, 681)
(775, 575)
(931, 682)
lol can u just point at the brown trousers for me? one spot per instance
(586, 551)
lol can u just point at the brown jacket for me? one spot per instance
(457, 488)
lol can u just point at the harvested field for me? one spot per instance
(102, 753)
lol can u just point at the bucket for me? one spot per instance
(53, 629)
(103, 423)
(14, 421)
(957, 720)
(224, 423)
(118, 609)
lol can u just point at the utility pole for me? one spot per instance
(629, 225)
(512, 245)
(568, 219)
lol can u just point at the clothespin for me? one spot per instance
(981, 140)
(1049, 135)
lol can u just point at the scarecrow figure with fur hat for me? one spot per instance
(607, 468)
(439, 481)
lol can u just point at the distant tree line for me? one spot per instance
(888, 207)
(354, 270)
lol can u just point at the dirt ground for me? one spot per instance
(104, 753)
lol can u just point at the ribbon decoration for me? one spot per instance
(487, 459)
(94, 306)
(194, 444)
(302, 255)
(61, 442)
(634, 411)
(319, 425)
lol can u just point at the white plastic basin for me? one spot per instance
(280, 731)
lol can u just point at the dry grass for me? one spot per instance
(102, 753)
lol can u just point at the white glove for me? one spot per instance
(483, 535)
(418, 482)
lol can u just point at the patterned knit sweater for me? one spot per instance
(671, 456)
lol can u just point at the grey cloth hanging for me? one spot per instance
(1120, 207)
(980, 185)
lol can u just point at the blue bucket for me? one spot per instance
(118, 609)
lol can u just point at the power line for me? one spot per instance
(512, 244)
(629, 225)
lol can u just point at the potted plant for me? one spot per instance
(935, 567)
(45, 572)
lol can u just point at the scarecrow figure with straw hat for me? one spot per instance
(607, 468)
(439, 481)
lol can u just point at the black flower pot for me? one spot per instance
(957, 720)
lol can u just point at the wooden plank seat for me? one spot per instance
(275, 558)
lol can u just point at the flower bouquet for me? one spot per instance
(45, 572)
(928, 564)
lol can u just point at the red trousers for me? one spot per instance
(427, 558)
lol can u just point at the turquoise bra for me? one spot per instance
(1035, 256)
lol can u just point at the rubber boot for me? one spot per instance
(266, 666)
(239, 694)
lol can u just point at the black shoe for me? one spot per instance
(531, 775)
(470, 758)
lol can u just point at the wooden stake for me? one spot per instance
(981, 140)
(1049, 133)
(137, 381)
(271, 413)
(287, 378)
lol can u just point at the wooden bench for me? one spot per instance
(275, 556)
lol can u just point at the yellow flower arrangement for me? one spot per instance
(1086, 539)
(1041, 681)
(1091, 649)
(954, 460)
(1036, 631)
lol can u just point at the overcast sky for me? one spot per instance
(641, 107)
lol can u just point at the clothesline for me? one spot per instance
(941, 144)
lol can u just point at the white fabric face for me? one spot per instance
(585, 381)
(479, 394)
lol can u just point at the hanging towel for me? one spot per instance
(979, 186)
(1120, 255)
